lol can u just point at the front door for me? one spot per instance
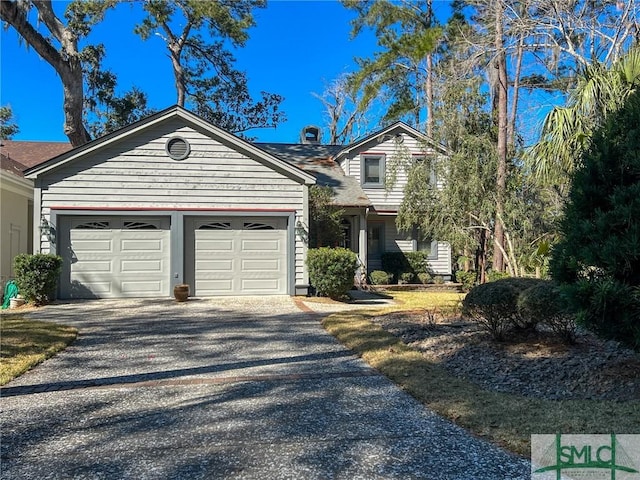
(375, 245)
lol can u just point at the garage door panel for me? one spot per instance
(141, 287)
(141, 245)
(205, 266)
(91, 246)
(265, 265)
(141, 266)
(255, 285)
(115, 257)
(210, 287)
(261, 245)
(98, 288)
(104, 266)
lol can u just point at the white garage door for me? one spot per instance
(236, 256)
(115, 257)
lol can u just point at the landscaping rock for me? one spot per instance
(532, 364)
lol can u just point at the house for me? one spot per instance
(16, 198)
(173, 199)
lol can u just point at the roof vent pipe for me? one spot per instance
(310, 135)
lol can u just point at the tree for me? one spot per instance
(598, 260)
(345, 111)
(449, 197)
(105, 110)
(7, 128)
(567, 131)
(324, 218)
(58, 46)
(408, 35)
(204, 72)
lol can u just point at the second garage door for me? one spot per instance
(236, 256)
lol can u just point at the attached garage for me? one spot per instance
(168, 200)
(114, 256)
(236, 255)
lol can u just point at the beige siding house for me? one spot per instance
(173, 199)
(16, 198)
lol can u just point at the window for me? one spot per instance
(215, 226)
(140, 226)
(427, 161)
(373, 170)
(257, 226)
(421, 244)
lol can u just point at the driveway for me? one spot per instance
(222, 388)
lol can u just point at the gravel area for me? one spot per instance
(535, 365)
(248, 388)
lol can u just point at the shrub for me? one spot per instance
(438, 279)
(37, 276)
(407, 277)
(378, 277)
(467, 279)
(398, 262)
(493, 275)
(494, 305)
(332, 270)
(544, 303)
(424, 278)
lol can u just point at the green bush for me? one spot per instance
(407, 277)
(424, 278)
(438, 279)
(467, 279)
(37, 276)
(493, 275)
(397, 263)
(378, 277)
(494, 305)
(332, 270)
(544, 303)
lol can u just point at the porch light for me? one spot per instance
(47, 230)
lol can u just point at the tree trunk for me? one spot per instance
(501, 115)
(428, 88)
(65, 62)
(511, 128)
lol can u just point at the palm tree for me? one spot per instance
(567, 131)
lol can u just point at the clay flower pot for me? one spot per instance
(181, 292)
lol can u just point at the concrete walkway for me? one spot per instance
(222, 388)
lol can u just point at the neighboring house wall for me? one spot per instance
(16, 196)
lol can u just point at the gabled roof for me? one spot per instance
(318, 160)
(29, 154)
(195, 121)
(383, 135)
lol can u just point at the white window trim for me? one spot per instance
(383, 169)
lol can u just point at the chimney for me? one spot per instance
(310, 135)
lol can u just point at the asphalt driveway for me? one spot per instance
(222, 388)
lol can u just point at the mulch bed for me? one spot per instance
(534, 364)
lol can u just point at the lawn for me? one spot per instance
(25, 343)
(505, 419)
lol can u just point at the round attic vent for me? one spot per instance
(177, 148)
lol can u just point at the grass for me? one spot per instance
(505, 419)
(25, 343)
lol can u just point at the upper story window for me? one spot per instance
(373, 170)
(429, 162)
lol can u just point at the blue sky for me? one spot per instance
(296, 48)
